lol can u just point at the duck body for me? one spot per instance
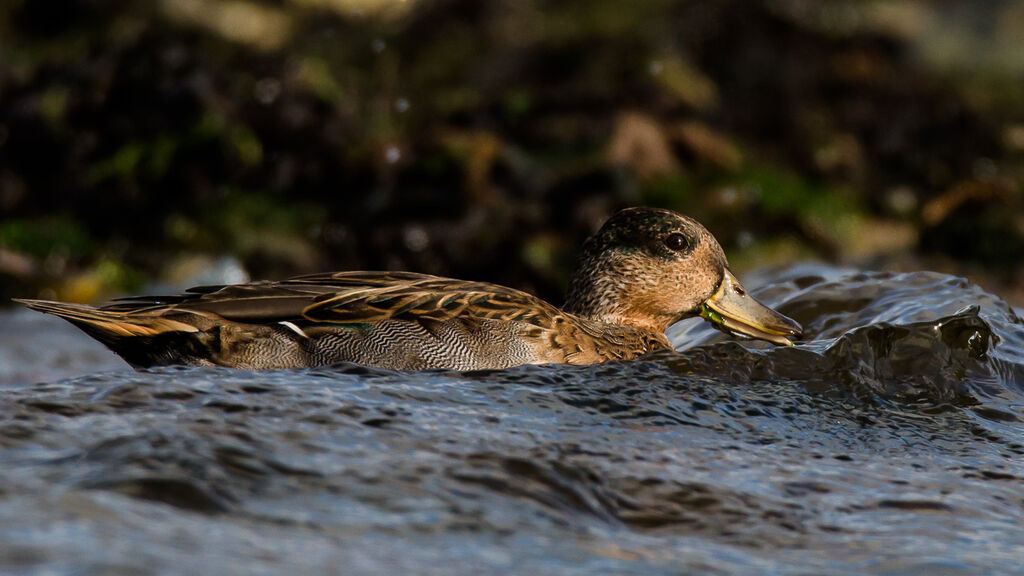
(396, 320)
(645, 269)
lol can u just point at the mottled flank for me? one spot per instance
(644, 270)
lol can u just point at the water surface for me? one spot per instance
(888, 442)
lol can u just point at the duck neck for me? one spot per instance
(595, 293)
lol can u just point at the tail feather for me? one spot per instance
(107, 324)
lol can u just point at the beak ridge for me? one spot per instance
(733, 310)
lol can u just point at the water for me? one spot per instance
(889, 443)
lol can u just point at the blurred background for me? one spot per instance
(174, 142)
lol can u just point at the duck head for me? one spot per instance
(650, 268)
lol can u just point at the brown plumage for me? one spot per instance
(644, 270)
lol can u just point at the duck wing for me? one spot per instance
(350, 297)
(366, 297)
(254, 302)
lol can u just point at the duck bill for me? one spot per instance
(733, 310)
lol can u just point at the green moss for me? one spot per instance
(53, 104)
(517, 104)
(769, 252)
(121, 165)
(671, 192)
(182, 230)
(246, 146)
(246, 223)
(316, 75)
(687, 83)
(994, 93)
(211, 125)
(784, 193)
(152, 159)
(538, 253)
(119, 276)
(583, 19)
(161, 153)
(149, 158)
(40, 237)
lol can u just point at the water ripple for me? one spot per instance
(887, 441)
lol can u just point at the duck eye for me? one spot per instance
(676, 241)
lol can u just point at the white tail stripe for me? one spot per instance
(294, 328)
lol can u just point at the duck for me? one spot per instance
(642, 271)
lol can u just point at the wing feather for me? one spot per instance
(351, 297)
(429, 298)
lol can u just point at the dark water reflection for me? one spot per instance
(888, 443)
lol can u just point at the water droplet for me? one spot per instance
(728, 195)
(401, 104)
(416, 239)
(335, 233)
(902, 200)
(379, 45)
(55, 263)
(267, 90)
(655, 67)
(977, 344)
(392, 154)
(984, 169)
(744, 239)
